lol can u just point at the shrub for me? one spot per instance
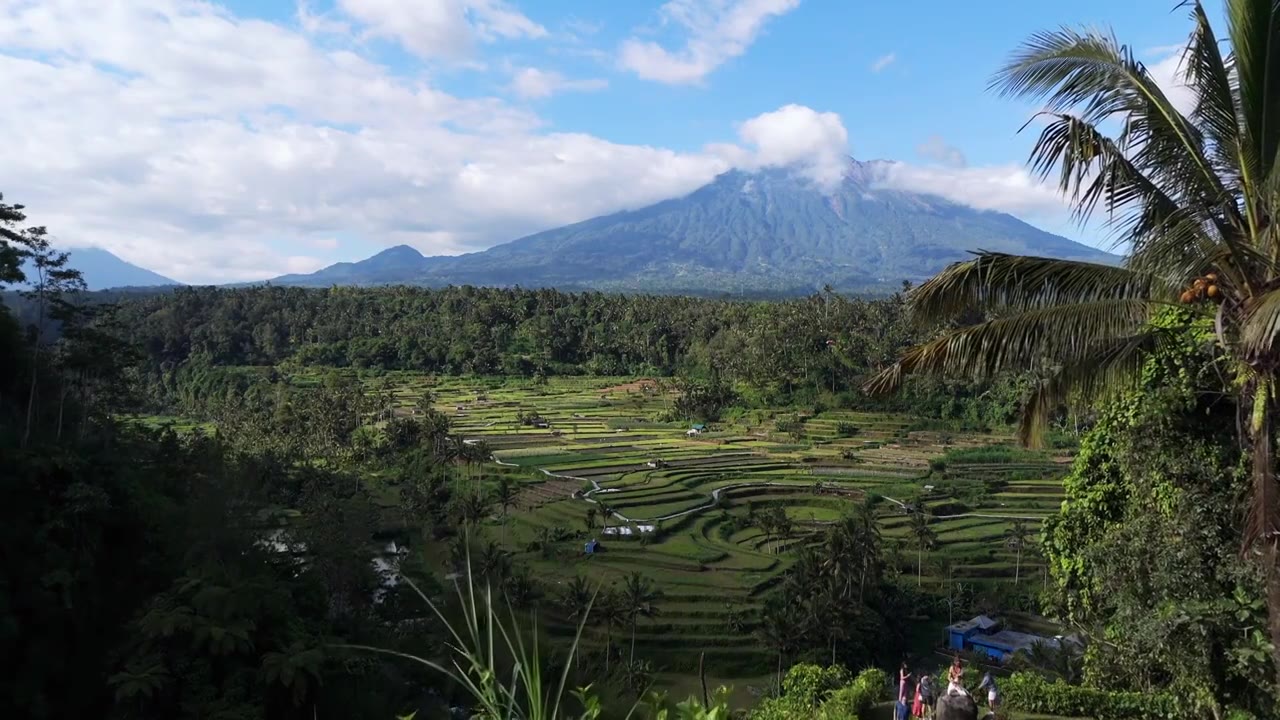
(1033, 693)
(847, 429)
(805, 686)
(856, 699)
(808, 684)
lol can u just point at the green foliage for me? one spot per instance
(988, 455)
(812, 691)
(847, 430)
(1163, 463)
(657, 707)
(1034, 694)
(699, 400)
(808, 684)
(856, 699)
(491, 659)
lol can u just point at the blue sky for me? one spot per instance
(242, 139)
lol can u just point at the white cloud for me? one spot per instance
(1006, 188)
(937, 150)
(796, 136)
(718, 31)
(1169, 74)
(440, 28)
(533, 83)
(201, 145)
(883, 62)
(213, 148)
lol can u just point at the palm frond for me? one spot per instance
(1215, 114)
(1093, 76)
(1254, 29)
(1111, 368)
(1261, 325)
(1017, 283)
(1092, 168)
(1020, 342)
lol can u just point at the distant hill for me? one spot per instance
(743, 232)
(103, 271)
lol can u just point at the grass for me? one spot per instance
(616, 433)
(606, 432)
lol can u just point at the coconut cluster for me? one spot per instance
(1203, 288)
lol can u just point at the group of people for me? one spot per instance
(921, 704)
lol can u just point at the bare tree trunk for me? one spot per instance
(702, 677)
(1264, 518)
(608, 645)
(35, 356)
(62, 403)
(31, 396)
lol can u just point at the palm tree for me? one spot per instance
(474, 507)
(639, 598)
(576, 598)
(605, 513)
(765, 521)
(590, 520)
(610, 609)
(505, 497)
(925, 539)
(1191, 194)
(493, 562)
(779, 629)
(1016, 537)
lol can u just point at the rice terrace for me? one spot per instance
(686, 506)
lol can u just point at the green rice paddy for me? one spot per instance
(602, 443)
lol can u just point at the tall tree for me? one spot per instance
(505, 497)
(48, 279)
(1016, 536)
(611, 609)
(925, 538)
(640, 598)
(1193, 197)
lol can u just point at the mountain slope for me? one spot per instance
(400, 264)
(767, 230)
(102, 270)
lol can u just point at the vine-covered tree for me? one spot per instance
(1190, 193)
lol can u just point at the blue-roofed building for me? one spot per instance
(958, 635)
(985, 635)
(591, 547)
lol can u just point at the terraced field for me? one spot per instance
(674, 501)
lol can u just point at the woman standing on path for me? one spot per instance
(927, 696)
(993, 695)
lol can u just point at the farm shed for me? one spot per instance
(984, 635)
(591, 547)
(959, 633)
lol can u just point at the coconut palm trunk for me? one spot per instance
(1190, 191)
(608, 645)
(632, 659)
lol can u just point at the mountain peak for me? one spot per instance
(399, 252)
(773, 229)
(103, 270)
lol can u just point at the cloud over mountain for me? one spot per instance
(214, 147)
